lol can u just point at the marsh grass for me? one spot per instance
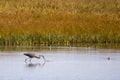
(43, 22)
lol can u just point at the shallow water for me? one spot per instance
(66, 63)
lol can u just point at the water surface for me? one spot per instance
(65, 63)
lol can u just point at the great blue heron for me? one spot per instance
(32, 55)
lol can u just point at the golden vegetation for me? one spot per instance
(36, 22)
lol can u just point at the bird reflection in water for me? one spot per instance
(33, 65)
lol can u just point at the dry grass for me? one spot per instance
(36, 22)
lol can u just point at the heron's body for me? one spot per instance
(31, 55)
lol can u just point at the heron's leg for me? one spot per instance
(44, 63)
(26, 60)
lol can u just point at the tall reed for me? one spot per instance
(43, 22)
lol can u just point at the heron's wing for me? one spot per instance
(29, 54)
